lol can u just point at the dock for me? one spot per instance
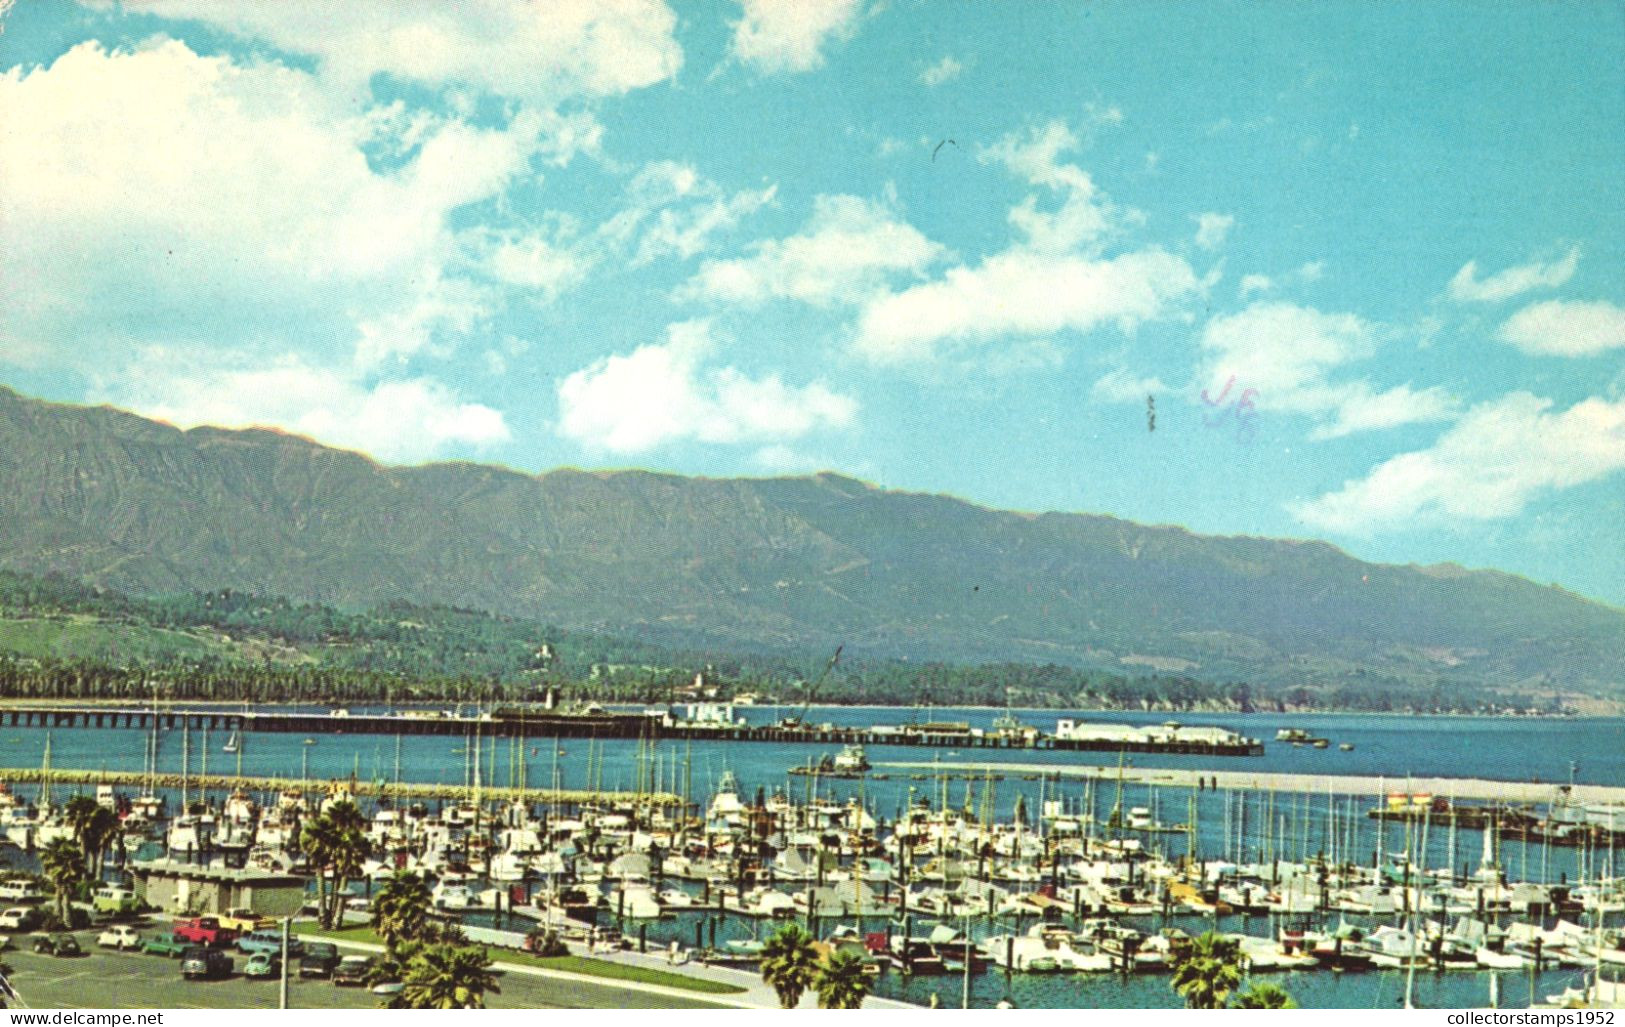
(395, 790)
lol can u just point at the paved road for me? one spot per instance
(103, 979)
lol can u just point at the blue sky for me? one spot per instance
(1362, 261)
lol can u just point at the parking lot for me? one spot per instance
(104, 979)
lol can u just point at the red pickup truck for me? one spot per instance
(204, 930)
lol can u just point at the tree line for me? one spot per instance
(399, 652)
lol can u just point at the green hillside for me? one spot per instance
(781, 568)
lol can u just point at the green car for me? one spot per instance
(262, 964)
(165, 945)
(115, 902)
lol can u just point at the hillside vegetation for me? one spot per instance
(766, 573)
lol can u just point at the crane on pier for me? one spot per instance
(799, 720)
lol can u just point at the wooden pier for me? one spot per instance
(522, 723)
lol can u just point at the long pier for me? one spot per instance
(520, 723)
(358, 787)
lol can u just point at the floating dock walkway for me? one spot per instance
(395, 790)
(521, 723)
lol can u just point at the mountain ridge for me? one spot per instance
(761, 564)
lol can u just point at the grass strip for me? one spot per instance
(584, 965)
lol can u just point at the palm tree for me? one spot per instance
(789, 964)
(318, 841)
(1266, 995)
(99, 830)
(335, 843)
(401, 908)
(840, 982)
(78, 811)
(448, 977)
(64, 866)
(1206, 973)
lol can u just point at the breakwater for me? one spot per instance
(1309, 784)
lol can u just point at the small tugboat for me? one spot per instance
(1299, 737)
(851, 762)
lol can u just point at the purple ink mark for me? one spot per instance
(1244, 408)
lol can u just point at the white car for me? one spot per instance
(119, 936)
(18, 918)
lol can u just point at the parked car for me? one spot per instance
(115, 902)
(165, 945)
(58, 945)
(244, 920)
(119, 936)
(204, 930)
(19, 918)
(18, 890)
(352, 970)
(263, 964)
(271, 941)
(203, 963)
(320, 960)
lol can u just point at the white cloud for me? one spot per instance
(1467, 287)
(1255, 283)
(844, 254)
(1282, 348)
(1211, 230)
(159, 194)
(687, 211)
(538, 50)
(671, 211)
(945, 70)
(550, 262)
(1356, 407)
(789, 35)
(1501, 455)
(1566, 328)
(410, 419)
(1053, 278)
(664, 392)
(1287, 354)
(1122, 386)
(1020, 292)
(1082, 218)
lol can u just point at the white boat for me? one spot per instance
(851, 760)
(1490, 959)
(233, 743)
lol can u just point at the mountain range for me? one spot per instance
(761, 565)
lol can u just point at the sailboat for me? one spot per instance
(232, 743)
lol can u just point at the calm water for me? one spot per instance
(1300, 825)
